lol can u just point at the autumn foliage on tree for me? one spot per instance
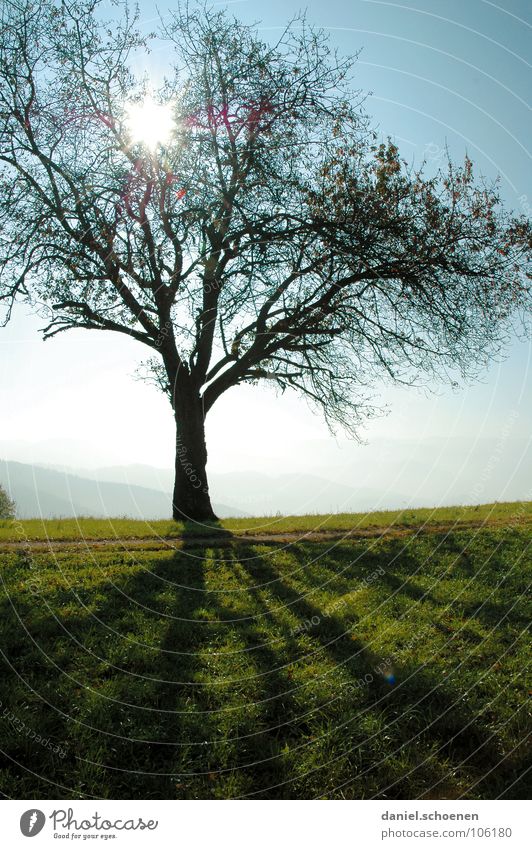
(270, 237)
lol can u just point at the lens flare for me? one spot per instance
(150, 123)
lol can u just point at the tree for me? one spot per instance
(7, 505)
(271, 237)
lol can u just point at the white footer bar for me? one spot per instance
(265, 824)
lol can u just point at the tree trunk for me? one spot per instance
(191, 500)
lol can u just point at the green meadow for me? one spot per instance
(119, 528)
(389, 666)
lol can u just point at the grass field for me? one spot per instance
(388, 667)
(94, 529)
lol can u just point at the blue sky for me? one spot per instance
(439, 72)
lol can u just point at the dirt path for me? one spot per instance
(242, 538)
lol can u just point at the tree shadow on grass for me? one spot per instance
(167, 725)
(162, 705)
(193, 686)
(198, 532)
(424, 715)
(350, 665)
(120, 699)
(489, 613)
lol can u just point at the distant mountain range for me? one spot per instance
(259, 494)
(48, 493)
(139, 491)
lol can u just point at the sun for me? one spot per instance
(150, 123)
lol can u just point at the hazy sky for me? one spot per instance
(439, 72)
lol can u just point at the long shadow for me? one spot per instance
(144, 697)
(172, 711)
(350, 660)
(32, 734)
(217, 737)
(425, 712)
(344, 648)
(489, 613)
(197, 532)
(161, 725)
(268, 688)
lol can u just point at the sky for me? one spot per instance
(438, 73)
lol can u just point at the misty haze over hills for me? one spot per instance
(382, 475)
(145, 492)
(46, 493)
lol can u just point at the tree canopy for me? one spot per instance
(272, 237)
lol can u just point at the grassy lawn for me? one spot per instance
(388, 667)
(90, 529)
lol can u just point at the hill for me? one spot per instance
(262, 494)
(50, 493)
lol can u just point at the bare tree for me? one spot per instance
(270, 238)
